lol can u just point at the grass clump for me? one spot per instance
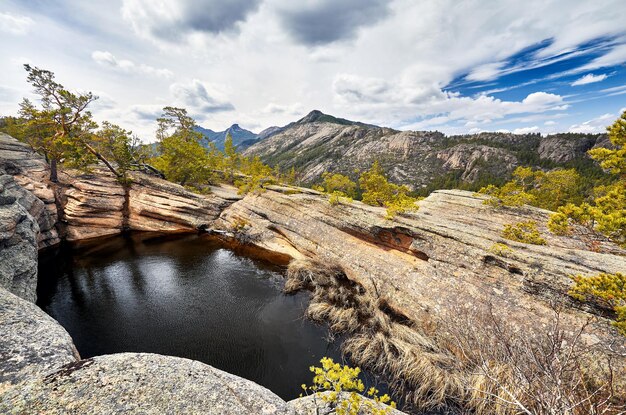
(381, 341)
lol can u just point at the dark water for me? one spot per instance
(183, 296)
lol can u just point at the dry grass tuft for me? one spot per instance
(480, 366)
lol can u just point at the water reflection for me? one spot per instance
(183, 296)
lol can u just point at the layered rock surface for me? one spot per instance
(31, 172)
(426, 264)
(19, 230)
(430, 263)
(95, 204)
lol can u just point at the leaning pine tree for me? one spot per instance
(63, 130)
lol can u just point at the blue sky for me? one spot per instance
(454, 66)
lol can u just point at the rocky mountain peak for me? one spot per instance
(312, 116)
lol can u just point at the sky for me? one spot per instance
(448, 65)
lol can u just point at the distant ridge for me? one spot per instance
(422, 160)
(241, 137)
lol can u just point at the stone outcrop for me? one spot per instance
(140, 383)
(19, 232)
(431, 262)
(561, 149)
(159, 205)
(96, 204)
(31, 172)
(32, 343)
(92, 204)
(473, 160)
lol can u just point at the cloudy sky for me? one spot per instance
(447, 65)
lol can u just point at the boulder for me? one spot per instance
(32, 342)
(140, 383)
(19, 232)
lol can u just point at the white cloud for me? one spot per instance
(15, 24)
(486, 72)
(175, 20)
(526, 130)
(201, 97)
(107, 59)
(391, 63)
(615, 56)
(549, 123)
(595, 125)
(541, 99)
(589, 79)
(369, 96)
(273, 108)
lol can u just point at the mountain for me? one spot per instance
(241, 137)
(422, 160)
(270, 131)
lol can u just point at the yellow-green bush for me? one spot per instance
(525, 231)
(335, 182)
(378, 191)
(338, 197)
(547, 190)
(610, 289)
(607, 212)
(345, 390)
(500, 249)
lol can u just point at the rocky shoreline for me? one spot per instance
(423, 265)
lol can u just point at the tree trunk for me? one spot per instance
(126, 208)
(53, 170)
(102, 159)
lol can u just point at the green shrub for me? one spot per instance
(525, 232)
(338, 182)
(338, 197)
(500, 249)
(607, 212)
(378, 191)
(547, 190)
(610, 289)
(345, 390)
